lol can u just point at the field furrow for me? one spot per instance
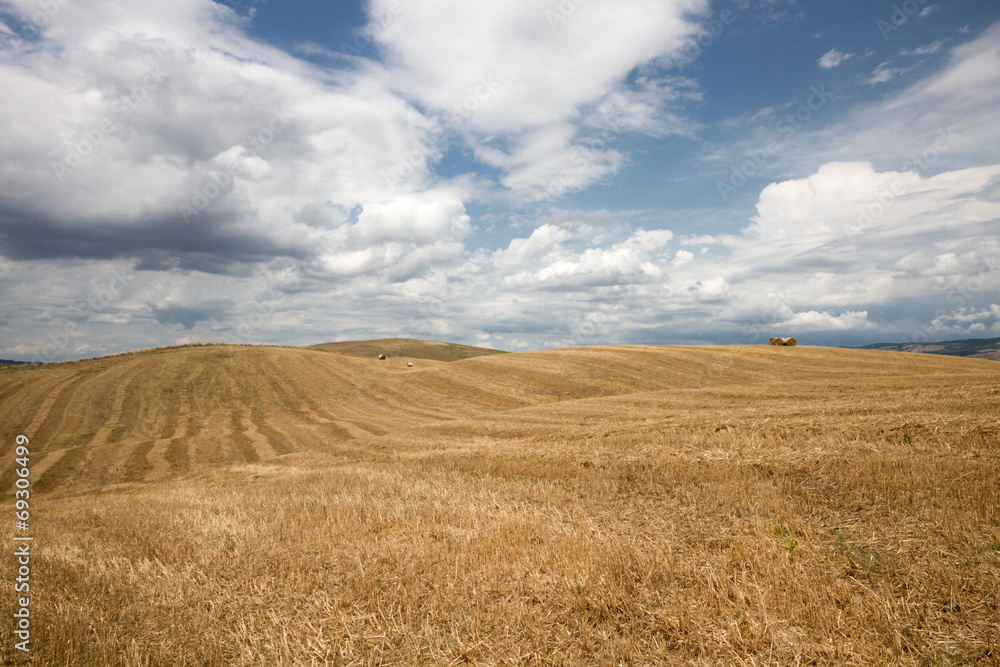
(607, 505)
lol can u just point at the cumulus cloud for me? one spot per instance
(545, 70)
(962, 322)
(141, 142)
(682, 258)
(173, 180)
(854, 236)
(523, 77)
(829, 256)
(812, 320)
(558, 263)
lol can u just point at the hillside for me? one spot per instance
(150, 415)
(981, 348)
(598, 505)
(409, 348)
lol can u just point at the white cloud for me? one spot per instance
(972, 64)
(682, 258)
(703, 239)
(552, 259)
(139, 130)
(884, 73)
(643, 108)
(441, 49)
(930, 49)
(541, 103)
(963, 321)
(400, 238)
(853, 243)
(544, 164)
(961, 100)
(319, 215)
(528, 79)
(833, 58)
(812, 320)
(850, 235)
(848, 201)
(821, 258)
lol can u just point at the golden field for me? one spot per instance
(225, 505)
(406, 347)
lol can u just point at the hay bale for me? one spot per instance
(409, 364)
(783, 341)
(791, 341)
(381, 356)
(774, 341)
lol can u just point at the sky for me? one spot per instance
(525, 174)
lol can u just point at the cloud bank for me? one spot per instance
(167, 179)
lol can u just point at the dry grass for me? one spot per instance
(604, 506)
(407, 347)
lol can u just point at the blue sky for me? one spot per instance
(520, 175)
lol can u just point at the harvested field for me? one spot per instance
(227, 505)
(407, 347)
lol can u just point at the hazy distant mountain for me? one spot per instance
(982, 348)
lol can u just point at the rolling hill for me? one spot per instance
(980, 348)
(218, 505)
(409, 348)
(150, 415)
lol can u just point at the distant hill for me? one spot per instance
(980, 348)
(8, 362)
(407, 347)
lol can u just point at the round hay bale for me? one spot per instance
(409, 364)
(782, 341)
(381, 356)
